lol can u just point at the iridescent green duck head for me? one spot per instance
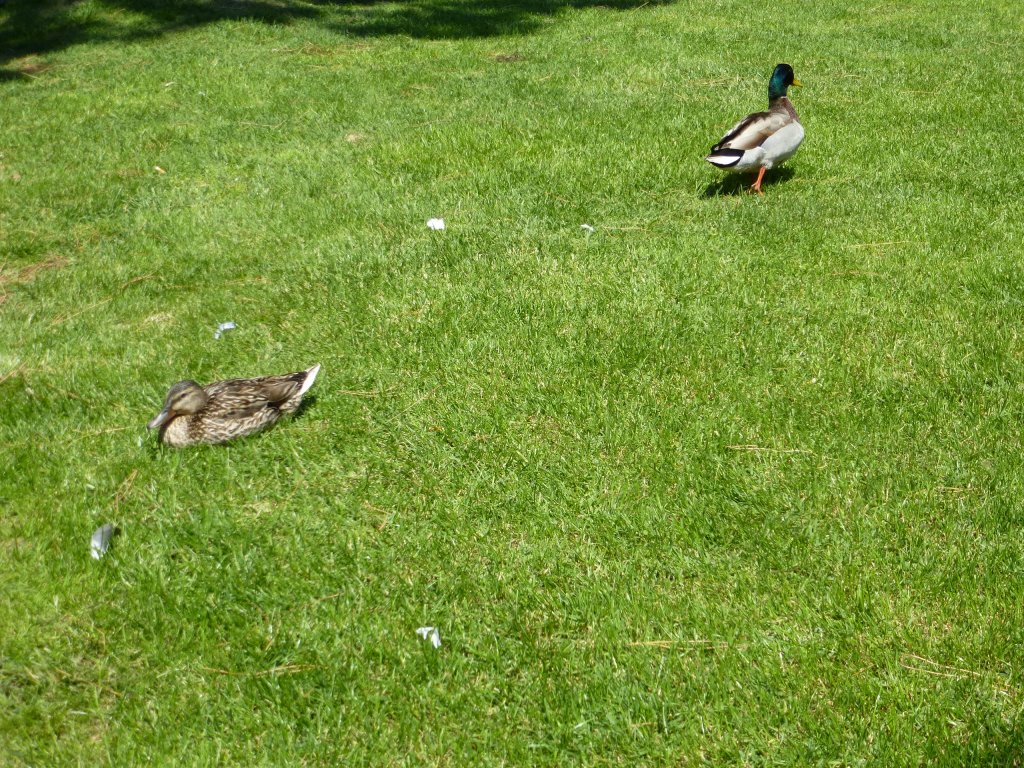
(781, 79)
(184, 399)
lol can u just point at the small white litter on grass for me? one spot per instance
(101, 539)
(431, 634)
(587, 228)
(222, 327)
(435, 224)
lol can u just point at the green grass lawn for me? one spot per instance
(729, 481)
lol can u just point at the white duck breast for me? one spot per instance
(777, 149)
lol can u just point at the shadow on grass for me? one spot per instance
(33, 27)
(739, 183)
(308, 401)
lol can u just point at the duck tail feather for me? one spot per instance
(725, 158)
(310, 378)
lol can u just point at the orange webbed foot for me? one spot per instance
(757, 184)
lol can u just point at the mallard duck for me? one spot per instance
(225, 410)
(763, 139)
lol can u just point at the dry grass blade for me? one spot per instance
(883, 244)
(761, 449)
(12, 373)
(68, 316)
(945, 670)
(284, 669)
(667, 644)
(367, 392)
(125, 488)
(29, 271)
(64, 317)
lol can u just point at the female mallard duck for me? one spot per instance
(763, 139)
(228, 409)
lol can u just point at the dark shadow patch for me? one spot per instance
(33, 27)
(308, 401)
(12, 75)
(740, 183)
(455, 20)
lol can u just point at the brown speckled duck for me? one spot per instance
(225, 410)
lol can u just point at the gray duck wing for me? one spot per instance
(752, 130)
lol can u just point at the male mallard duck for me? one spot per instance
(228, 409)
(763, 139)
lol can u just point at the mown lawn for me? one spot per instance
(729, 481)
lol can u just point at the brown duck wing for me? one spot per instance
(752, 131)
(241, 398)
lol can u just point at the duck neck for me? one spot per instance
(783, 105)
